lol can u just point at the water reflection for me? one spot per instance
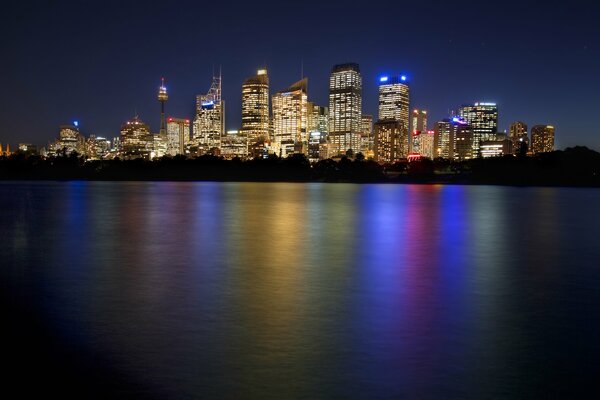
(248, 290)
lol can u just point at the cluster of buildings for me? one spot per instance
(287, 122)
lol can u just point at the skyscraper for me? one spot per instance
(542, 139)
(394, 102)
(290, 119)
(444, 139)
(137, 141)
(209, 123)
(463, 140)
(178, 135)
(345, 107)
(70, 140)
(419, 126)
(389, 141)
(366, 135)
(255, 108)
(483, 118)
(519, 137)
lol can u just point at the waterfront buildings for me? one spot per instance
(444, 139)
(542, 139)
(96, 147)
(495, 148)
(463, 141)
(345, 107)
(290, 119)
(70, 140)
(366, 135)
(519, 137)
(234, 145)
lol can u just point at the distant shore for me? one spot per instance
(578, 166)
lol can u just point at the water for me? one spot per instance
(276, 290)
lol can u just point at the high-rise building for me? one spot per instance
(96, 147)
(178, 135)
(255, 108)
(318, 118)
(290, 119)
(483, 118)
(345, 107)
(542, 139)
(427, 144)
(234, 145)
(444, 139)
(209, 123)
(366, 135)
(519, 137)
(70, 140)
(419, 126)
(389, 145)
(394, 103)
(463, 140)
(136, 139)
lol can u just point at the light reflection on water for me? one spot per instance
(262, 290)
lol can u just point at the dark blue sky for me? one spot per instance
(99, 62)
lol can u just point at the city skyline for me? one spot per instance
(114, 69)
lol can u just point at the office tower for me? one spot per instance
(427, 144)
(209, 123)
(255, 108)
(542, 139)
(136, 139)
(96, 147)
(345, 107)
(162, 98)
(366, 135)
(483, 118)
(444, 139)
(519, 137)
(389, 145)
(290, 119)
(69, 141)
(463, 140)
(317, 118)
(178, 135)
(419, 126)
(394, 102)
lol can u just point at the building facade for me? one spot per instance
(483, 118)
(136, 139)
(345, 107)
(389, 143)
(178, 136)
(542, 139)
(209, 123)
(290, 134)
(394, 103)
(255, 108)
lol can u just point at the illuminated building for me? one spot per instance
(290, 119)
(345, 107)
(394, 102)
(427, 144)
(519, 137)
(96, 147)
(255, 109)
(366, 135)
(444, 139)
(234, 145)
(463, 141)
(69, 141)
(178, 135)
(25, 148)
(389, 145)
(495, 148)
(419, 126)
(483, 118)
(209, 123)
(542, 139)
(136, 139)
(318, 118)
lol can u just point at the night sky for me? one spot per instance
(101, 62)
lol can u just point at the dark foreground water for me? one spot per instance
(273, 291)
